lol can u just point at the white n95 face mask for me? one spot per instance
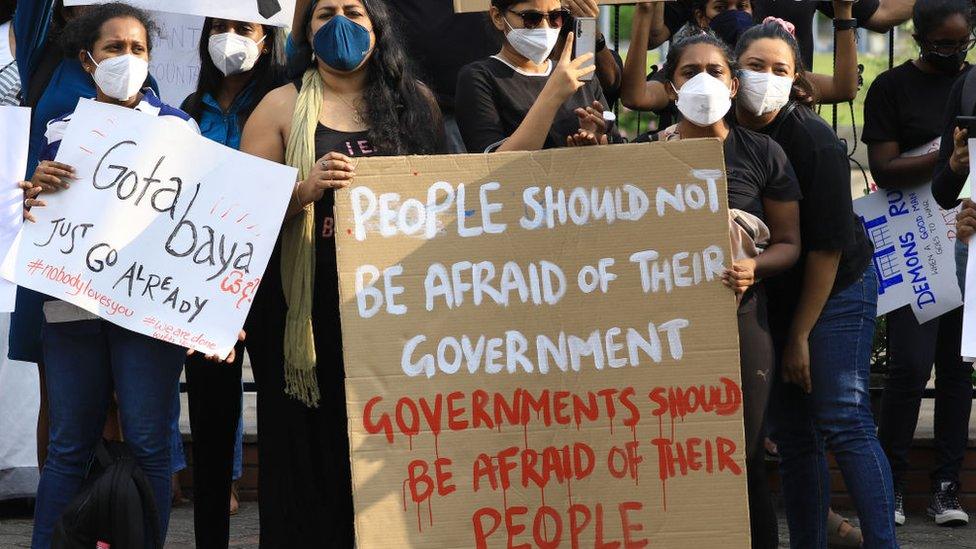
(533, 44)
(704, 99)
(763, 92)
(120, 77)
(232, 53)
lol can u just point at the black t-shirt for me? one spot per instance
(800, 13)
(906, 105)
(441, 42)
(757, 169)
(827, 219)
(946, 184)
(493, 99)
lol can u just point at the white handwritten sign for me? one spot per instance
(272, 12)
(164, 232)
(15, 122)
(175, 62)
(968, 351)
(913, 252)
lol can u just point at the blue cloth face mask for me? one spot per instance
(341, 43)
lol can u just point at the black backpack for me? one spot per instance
(115, 506)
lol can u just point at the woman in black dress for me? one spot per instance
(355, 97)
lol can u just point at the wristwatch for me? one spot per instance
(601, 42)
(845, 24)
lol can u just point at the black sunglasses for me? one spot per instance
(532, 19)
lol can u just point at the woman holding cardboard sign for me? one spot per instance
(763, 194)
(355, 97)
(86, 357)
(822, 312)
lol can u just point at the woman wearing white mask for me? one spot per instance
(520, 99)
(86, 357)
(822, 312)
(763, 190)
(240, 62)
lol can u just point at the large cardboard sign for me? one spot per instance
(464, 6)
(914, 248)
(164, 232)
(279, 13)
(539, 350)
(15, 122)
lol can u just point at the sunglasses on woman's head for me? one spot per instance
(532, 19)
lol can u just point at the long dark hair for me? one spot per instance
(400, 111)
(268, 73)
(81, 33)
(803, 90)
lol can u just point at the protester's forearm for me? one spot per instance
(890, 13)
(776, 259)
(845, 69)
(659, 32)
(633, 89)
(905, 173)
(532, 132)
(608, 71)
(841, 86)
(819, 275)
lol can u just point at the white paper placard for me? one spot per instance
(175, 61)
(15, 122)
(969, 309)
(164, 232)
(914, 253)
(272, 12)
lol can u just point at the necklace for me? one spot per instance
(357, 116)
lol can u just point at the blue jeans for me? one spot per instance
(836, 415)
(85, 361)
(239, 443)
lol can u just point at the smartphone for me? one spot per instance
(966, 123)
(585, 42)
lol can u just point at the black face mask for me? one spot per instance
(730, 24)
(946, 63)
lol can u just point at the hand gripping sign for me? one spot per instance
(164, 232)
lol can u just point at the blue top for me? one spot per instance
(225, 127)
(150, 104)
(69, 81)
